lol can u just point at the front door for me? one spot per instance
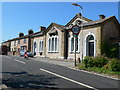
(91, 48)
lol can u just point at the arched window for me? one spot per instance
(72, 42)
(56, 44)
(49, 44)
(53, 44)
(35, 47)
(41, 46)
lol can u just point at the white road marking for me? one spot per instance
(68, 79)
(19, 61)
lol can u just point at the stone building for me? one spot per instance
(57, 41)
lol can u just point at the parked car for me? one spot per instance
(30, 54)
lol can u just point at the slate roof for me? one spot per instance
(26, 36)
(91, 23)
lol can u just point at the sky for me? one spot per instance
(21, 16)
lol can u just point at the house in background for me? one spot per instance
(21, 43)
(38, 42)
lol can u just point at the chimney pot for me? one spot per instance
(30, 31)
(21, 34)
(42, 28)
(102, 16)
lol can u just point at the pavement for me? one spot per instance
(58, 61)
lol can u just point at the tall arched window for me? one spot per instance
(53, 44)
(56, 44)
(41, 46)
(72, 44)
(35, 47)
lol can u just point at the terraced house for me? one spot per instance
(57, 41)
(20, 43)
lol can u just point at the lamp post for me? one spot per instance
(75, 4)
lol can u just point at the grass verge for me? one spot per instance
(100, 70)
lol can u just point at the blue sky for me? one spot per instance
(21, 16)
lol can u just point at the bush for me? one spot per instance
(100, 61)
(86, 61)
(95, 62)
(115, 65)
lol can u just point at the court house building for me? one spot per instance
(57, 41)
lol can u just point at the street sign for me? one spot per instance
(75, 29)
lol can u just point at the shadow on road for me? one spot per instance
(25, 80)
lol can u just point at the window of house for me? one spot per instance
(18, 41)
(56, 44)
(53, 44)
(18, 49)
(25, 40)
(49, 44)
(72, 44)
(14, 43)
(41, 46)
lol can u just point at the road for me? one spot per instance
(18, 72)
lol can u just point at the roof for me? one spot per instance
(60, 27)
(78, 15)
(94, 22)
(41, 33)
(26, 36)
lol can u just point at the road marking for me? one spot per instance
(19, 61)
(68, 79)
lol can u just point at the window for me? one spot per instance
(53, 44)
(14, 43)
(56, 44)
(49, 44)
(18, 41)
(25, 40)
(72, 44)
(18, 49)
(41, 46)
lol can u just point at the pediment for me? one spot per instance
(77, 20)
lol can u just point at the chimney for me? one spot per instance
(102, 16)
(30, 31)
(21, 34)
(42, 28)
